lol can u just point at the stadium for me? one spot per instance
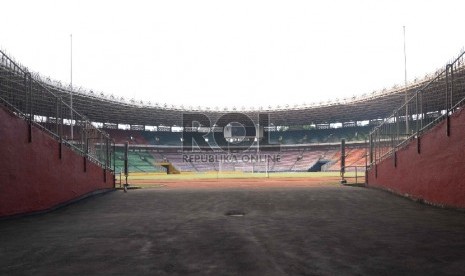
(378, 138)
(93, 183)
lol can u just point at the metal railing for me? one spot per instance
(25, 95)
(355, 172)
(429, 105)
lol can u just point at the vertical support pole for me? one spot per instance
(448, 97)
(366, 163)
(448, 124)
(406, 91)
(126, 171)
(86, 146)
(28, 85)
(114, 161)
(343, 159)
(60, 133)
(267, 167)
(378, 145)
(371, 148)
(451, 67)
(417, 113)
(71, 88)
(60, 149)
(56, 115)
(422, 111)
(392, 135)
(107, 152)
(85, 162)
(418, 144)
(396, 141)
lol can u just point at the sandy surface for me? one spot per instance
(291, 182)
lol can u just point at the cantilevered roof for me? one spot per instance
(103, 108)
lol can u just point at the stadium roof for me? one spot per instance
(99, 107)
(107, 109)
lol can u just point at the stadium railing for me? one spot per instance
(429, 105)
(357, 174)
(24, 94)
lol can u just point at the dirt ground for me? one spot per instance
(222, 183)
(238, 227)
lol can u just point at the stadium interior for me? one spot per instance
(307, 137)
(60, 145)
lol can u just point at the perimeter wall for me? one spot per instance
(34, 178)
(435, 174)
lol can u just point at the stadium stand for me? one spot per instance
(320, 136)
(354, 157)
(132, 136)
(290, 137)
(298, 156)
(138, 161)
(309, 135)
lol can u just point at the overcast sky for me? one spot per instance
(233, 53)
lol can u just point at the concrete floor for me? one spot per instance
(329, 230)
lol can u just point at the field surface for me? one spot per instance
(273, 226)
(236, 179)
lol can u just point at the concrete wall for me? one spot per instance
(436, 174)
(33, 177)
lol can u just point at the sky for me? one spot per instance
(233, 53)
